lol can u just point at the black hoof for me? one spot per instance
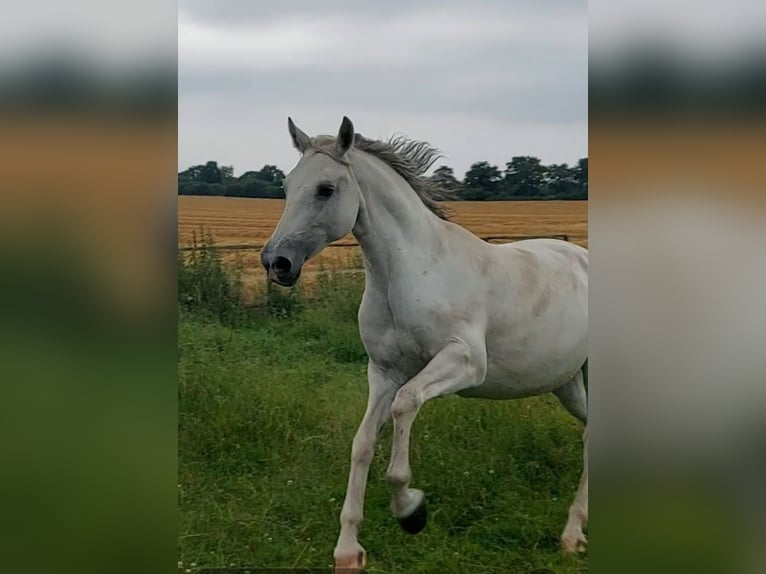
(416, 521)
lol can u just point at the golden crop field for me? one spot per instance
(235, 221)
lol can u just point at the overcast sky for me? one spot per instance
(480, 80)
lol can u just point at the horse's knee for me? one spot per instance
(361, 451)
(398, 478)
(406, 402)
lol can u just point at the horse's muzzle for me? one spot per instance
(280, 269)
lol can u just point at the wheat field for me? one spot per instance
(235, 221)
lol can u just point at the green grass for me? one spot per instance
(267, 411)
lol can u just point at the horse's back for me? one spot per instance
(574, 255)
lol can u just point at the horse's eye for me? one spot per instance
(325, 190)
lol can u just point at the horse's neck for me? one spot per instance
(393, 223)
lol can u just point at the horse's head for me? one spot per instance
(322, 203)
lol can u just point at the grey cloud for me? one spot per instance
(536, 100)
(245, 12)
(500, 65)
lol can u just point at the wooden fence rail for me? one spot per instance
(254, 246)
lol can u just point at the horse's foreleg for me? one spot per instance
(349, 554)
(456, 367)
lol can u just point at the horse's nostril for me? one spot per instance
(281, 265)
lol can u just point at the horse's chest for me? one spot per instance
(395, 344)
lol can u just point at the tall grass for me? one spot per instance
(206, 286)
(209, 287)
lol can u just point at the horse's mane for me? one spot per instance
(411, 159)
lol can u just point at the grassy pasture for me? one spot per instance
(269, 400)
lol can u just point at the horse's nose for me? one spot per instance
(280, 268)
(281, 265)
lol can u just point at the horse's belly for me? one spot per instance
(496, 391)
(539, 362)
(504, 383)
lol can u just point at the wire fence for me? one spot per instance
(258, 246)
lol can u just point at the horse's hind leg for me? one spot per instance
(573, 396)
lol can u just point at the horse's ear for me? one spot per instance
(345, 136)
(300, 140)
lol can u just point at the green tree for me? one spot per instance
(272, 173)
(482, 181)
(227, 172)
(248, 175)
(524, 177)
(211, 173)
(444, 177)
(194, 173)
(581, 177)
(560, 181)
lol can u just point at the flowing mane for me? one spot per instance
(411, 159)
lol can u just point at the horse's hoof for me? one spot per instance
(416, 521)
(575, 543)
(350, 565)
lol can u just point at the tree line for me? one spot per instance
(524, 177)
(212, 179)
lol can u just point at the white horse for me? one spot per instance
(443, 312)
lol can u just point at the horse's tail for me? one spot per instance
(585, 376)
